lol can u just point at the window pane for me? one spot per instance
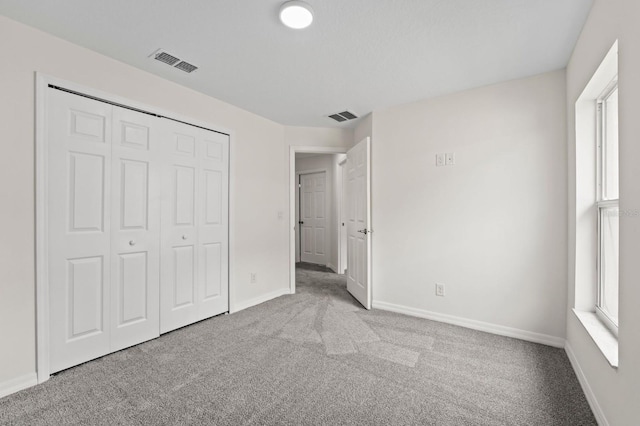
(609, 240)
(610, 148)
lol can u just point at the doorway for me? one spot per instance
(358, 213)
(350, 220)
(304, 163)
(318, 193)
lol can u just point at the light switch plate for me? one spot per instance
(439, 289)
(439, 160)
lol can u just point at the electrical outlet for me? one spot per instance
(450, 159)
(254, 277)
(439, 160)
(440, 290)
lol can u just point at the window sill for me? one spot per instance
(602, 337)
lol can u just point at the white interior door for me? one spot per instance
(79, 216)
(194, 258)
(358, 223)
(135, 228)
(313, 218)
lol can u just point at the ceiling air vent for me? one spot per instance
(186, 66)
(174, 61)
(165, 57)
(343, 116)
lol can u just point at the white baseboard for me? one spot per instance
(591, 398)
(501, 330)
(333, 268)
(260, 299)
(14, 385)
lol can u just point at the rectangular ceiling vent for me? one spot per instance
(166, 58)
(343, 116)
(186, 66)
(172, 60)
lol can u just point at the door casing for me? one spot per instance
(293, 187)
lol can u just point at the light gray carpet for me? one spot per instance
(313, 358)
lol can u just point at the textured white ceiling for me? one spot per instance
(360, 55)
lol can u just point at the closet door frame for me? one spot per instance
(42, 85)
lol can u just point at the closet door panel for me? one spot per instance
(184, 187)
(134, 195)
(135, 235)
(184, 280)
(212, 280)
(178, 295)
(78, 149)
(213, 227)
(132, 289)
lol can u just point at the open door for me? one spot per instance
(359, 222)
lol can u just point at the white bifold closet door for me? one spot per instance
(137, 226)
(195, 222)
(103, 228)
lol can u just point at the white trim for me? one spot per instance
(586, 388)
(602, 336)
(260, 299)
(501, 330)
(292, 202)
(232, 209)
(602, 203)
(604, 317)
(333, 268)
(42, 271)
(42, 82)
(312, 171)
(17, 384)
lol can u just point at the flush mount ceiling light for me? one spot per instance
(296, 14)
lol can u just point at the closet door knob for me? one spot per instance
(132, 243)
(184, 237)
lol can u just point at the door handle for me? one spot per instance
(363, 231)
(132, 242)
(184, 237)
(301, 222)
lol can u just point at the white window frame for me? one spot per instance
(603, 204)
